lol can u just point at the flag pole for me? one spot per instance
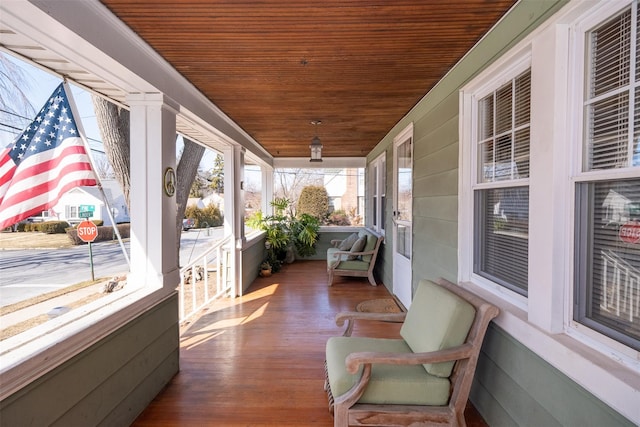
(74, 111)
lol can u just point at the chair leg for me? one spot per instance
(372, 280)
(340, 416)
(330, 277)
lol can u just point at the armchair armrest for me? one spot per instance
(352, 316)
(336, 255)
(335, 243)
(354, 360)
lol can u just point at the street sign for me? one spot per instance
(630, 232)
(85, 214)
(87, 231)
(87, 208)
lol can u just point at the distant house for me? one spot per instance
(195, 201)
(89, 199)
(345, 189)
(214, 199)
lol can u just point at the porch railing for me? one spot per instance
(204, 279)
(621, 286)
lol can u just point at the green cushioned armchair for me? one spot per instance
(422, 377)
(354, 263)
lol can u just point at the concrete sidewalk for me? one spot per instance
(48, 306)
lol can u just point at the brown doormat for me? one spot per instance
(381, 305)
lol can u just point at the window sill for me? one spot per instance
(340, 228)
(603, 374)
(29, 355)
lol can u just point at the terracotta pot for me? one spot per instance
(265, 273)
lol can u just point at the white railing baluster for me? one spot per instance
(202, 261)
(624, 279)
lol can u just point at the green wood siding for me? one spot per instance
(514, 386)
(110, 383)
(252, 257)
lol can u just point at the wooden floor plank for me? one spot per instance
(258, 360)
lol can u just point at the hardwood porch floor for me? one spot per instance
(258, 360)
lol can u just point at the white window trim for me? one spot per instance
(577, 68)
(497, 76)
(607, 369)
(380, 164)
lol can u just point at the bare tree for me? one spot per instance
(113, 123)
(185, 175)
(103, 167)
(17, 110)
(292, 181)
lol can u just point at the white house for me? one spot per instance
(89, 199)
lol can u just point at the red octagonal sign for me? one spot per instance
(87, 231)
(630, 232)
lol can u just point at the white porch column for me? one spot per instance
(267, 189)
(153, 206)
(234, 210)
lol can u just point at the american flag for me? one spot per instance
(45, 161)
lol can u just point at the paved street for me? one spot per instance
(30, 272)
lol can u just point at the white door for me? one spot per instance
(402, 198)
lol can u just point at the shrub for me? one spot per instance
(97, 222)
(53, 227)
(105, 233)
(313, 201)
(210, 216)
(21, 226)
(338, 217)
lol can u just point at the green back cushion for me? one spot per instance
(358, 246)
(369, 246)
(436, 320)
(347, 243)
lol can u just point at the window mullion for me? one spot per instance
(631, 83)
(513, 127)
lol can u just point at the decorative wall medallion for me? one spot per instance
(169, 182)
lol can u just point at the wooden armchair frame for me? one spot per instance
(333, 269)
(346, 410)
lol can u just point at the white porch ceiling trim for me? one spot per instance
(327, 162)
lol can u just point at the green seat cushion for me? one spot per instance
(389, 384)
(332, 257)
(436, 320)
(355, 264)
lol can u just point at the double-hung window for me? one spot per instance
(607, 230)
(501, 192)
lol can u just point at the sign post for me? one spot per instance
(87, 232)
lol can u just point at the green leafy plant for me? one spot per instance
(285, 232)
(265, 265)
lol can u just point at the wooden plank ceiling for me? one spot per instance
(275, 66)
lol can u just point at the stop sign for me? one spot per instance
(630, 232)
(87, 231)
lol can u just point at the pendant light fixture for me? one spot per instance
(316, 145)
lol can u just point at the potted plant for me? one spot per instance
(286, 234)
(265, 269)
